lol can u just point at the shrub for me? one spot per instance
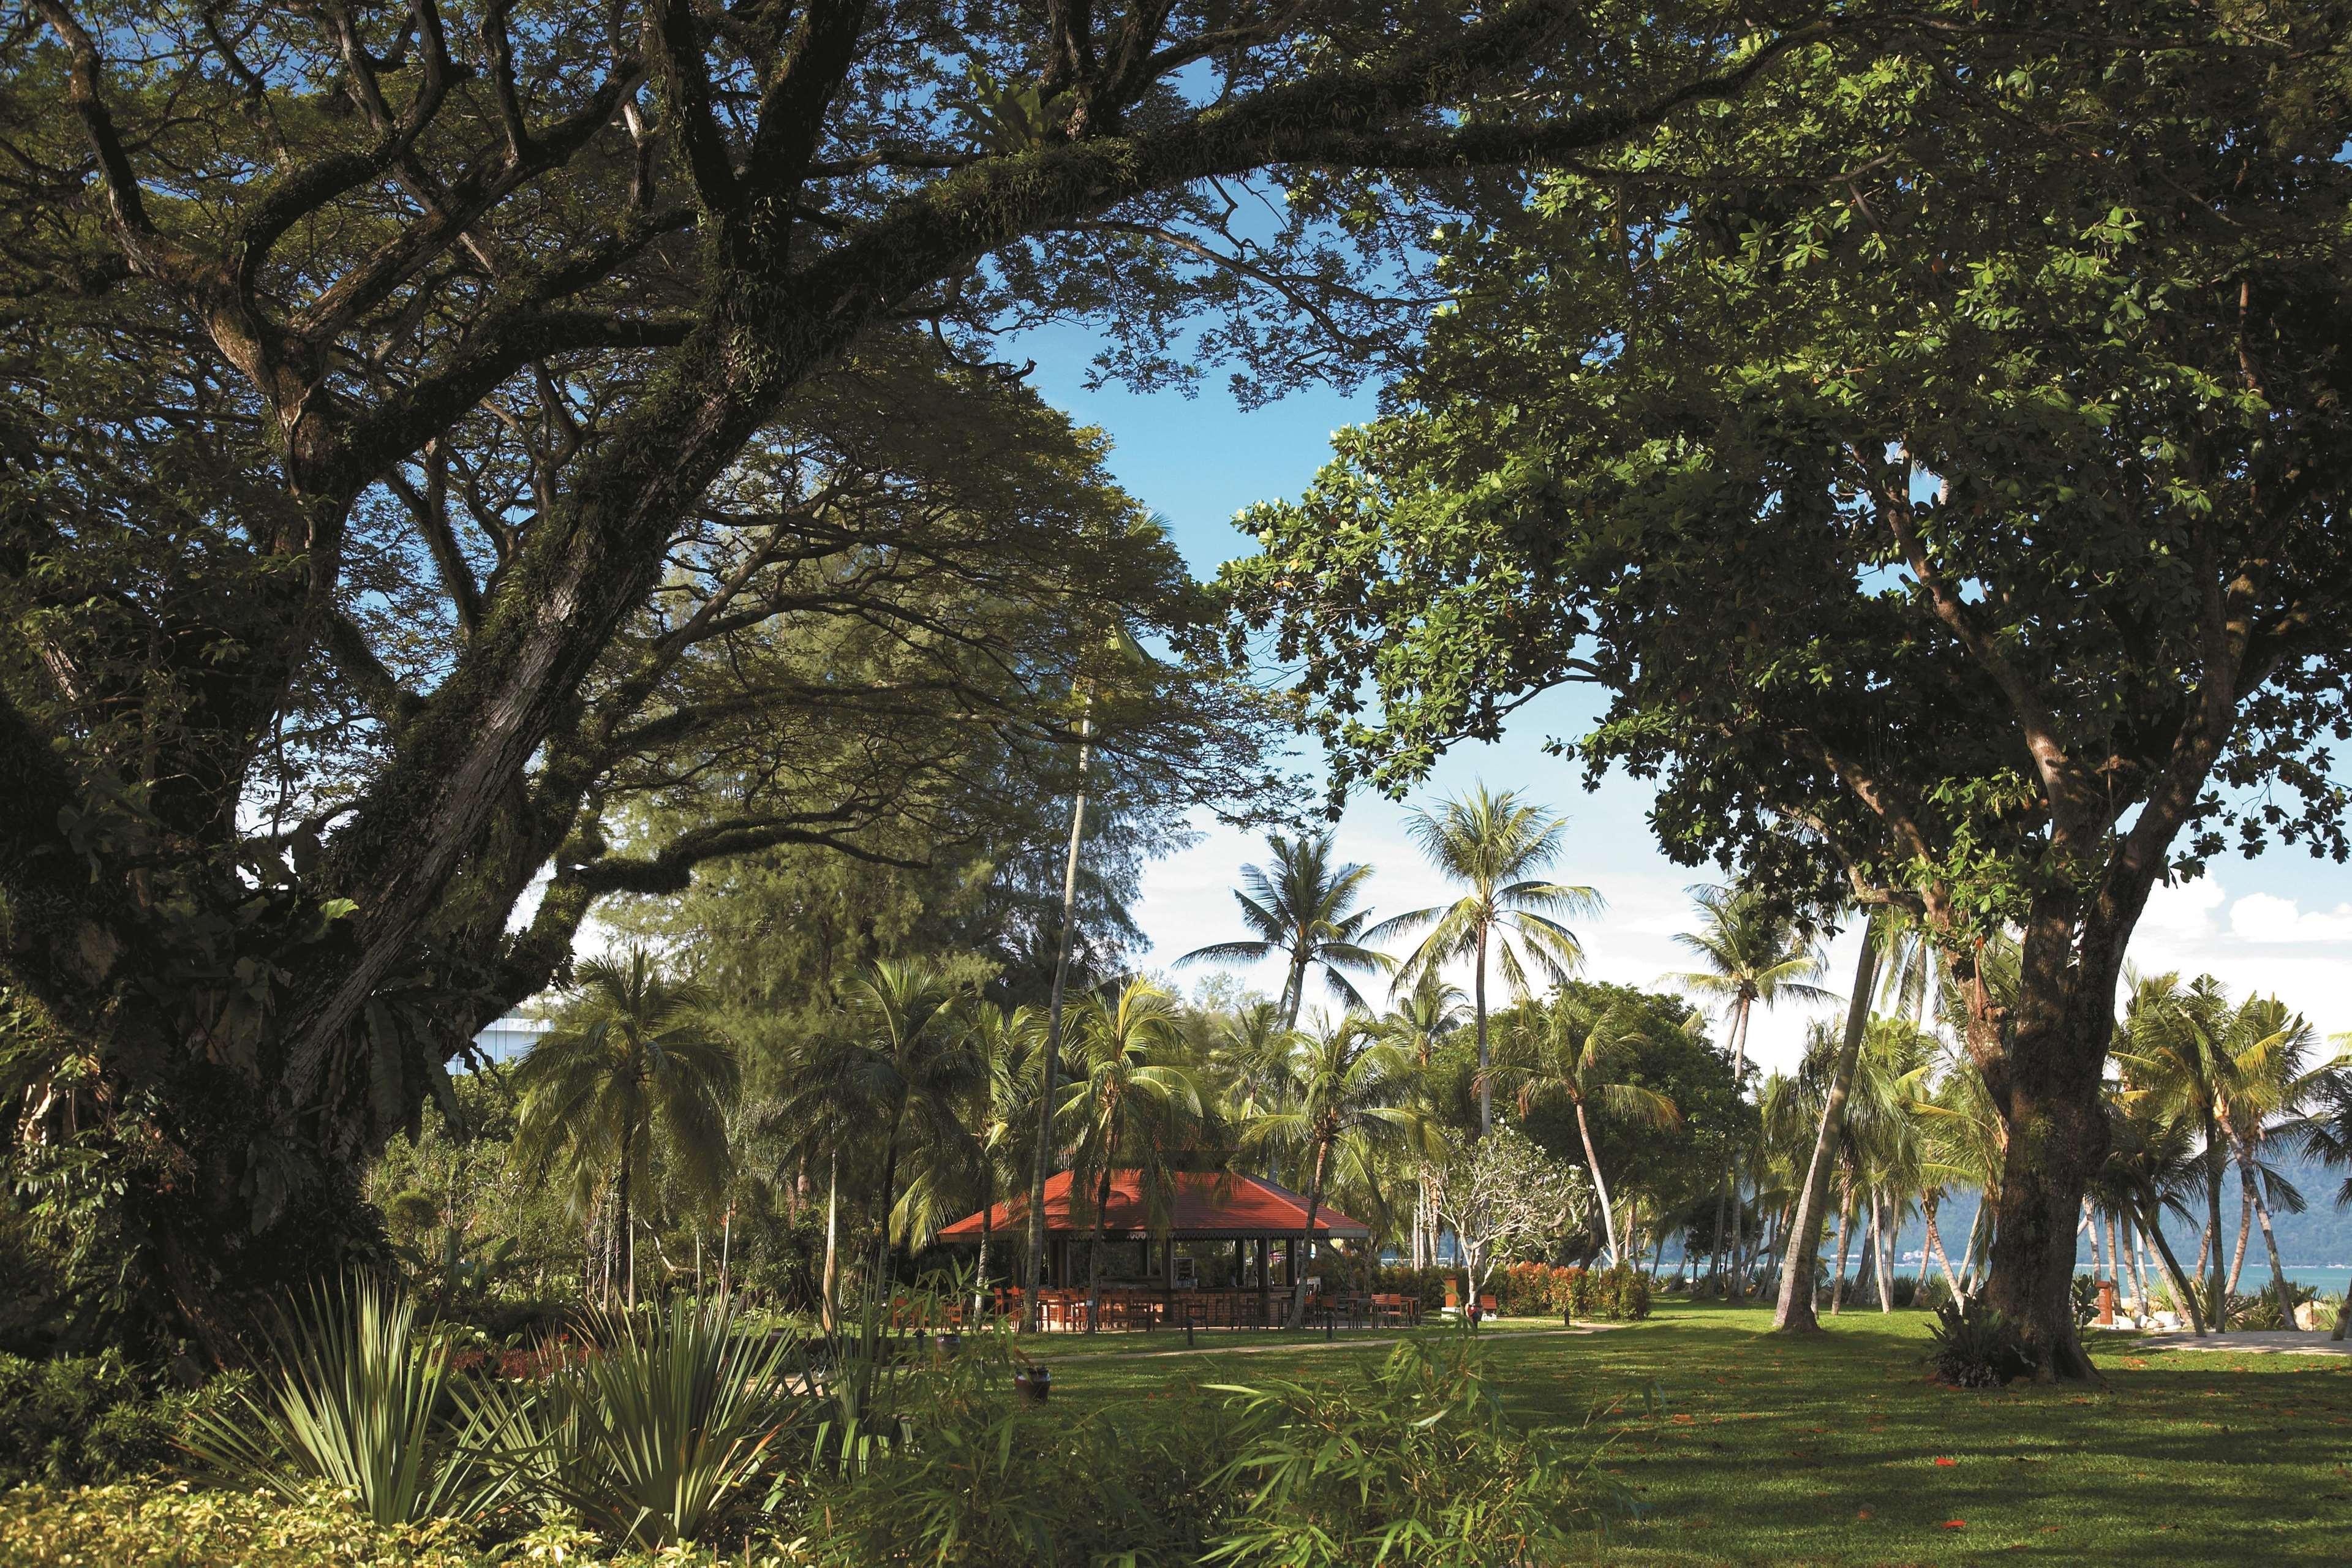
(1932, 1294)
(1411, 1462)
(657, 1434)
(1975, 1347)
(173, 1527)
(1609, 1295)
(2265, 1311)
(2085, 1295)
(79, 1419)
(359, 1400)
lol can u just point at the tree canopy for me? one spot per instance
(1944, 476)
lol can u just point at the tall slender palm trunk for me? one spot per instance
(1033, 1264)
(1880, 1213)
(2152, 1225)
(1486, 1089)
(1728, 1245)
(1306, 1255)
(2269, 1238)
(830, 1311)
(1794, 1312)
(1600, 1185)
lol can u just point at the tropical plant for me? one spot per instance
(1491, 844)
(1130, 1104)
(1302, 908)
(1410, 1461)
(1356, 1093)
(1750, 951)
(632, 1055)
(659, 1431)
(1504, 1196)
(1574, 1053)
(2230, 1073)
(357, 1396)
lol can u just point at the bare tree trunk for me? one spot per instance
(1305, 1254)
(1879, 1211)
(1737, 1288)
(828, 1310)
(1794, 1312)
(2245, 1229)
(2269, 1239)
(1935, 1246)
(1486, 1089)
(1042, 1165)
(1600, 1186)
(1845, 1238)
(2181, 1288)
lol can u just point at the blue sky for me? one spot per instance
(2281, 923)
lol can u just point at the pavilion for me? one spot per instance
(1251, 1212)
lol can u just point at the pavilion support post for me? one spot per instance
(1264, 1259)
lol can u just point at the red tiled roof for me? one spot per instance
(1210, 1205)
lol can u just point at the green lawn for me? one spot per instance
(1762, 1450)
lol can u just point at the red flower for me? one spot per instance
(1956, 1524)
(1947, 1461)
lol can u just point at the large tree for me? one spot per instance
(1945, 478)
(333, 314)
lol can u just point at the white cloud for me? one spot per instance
(2267, 918)
(2183, 911)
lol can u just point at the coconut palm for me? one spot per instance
(2152, 1166)
(1417, 1023)
(1573, 1053)
(1491, 844)
(1302, 908)
(1253, 1055)
(1749, 952)
(632, 1054)
(2228, 1072)
(1005, 1048)
(1130, 1104)
(1356, 1094)
(900, 1063)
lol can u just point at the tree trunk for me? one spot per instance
(1845, 1241)
(2057, 1139)
(1735, 1289)
(1794, 1312)
(628, 1230)
(1486, 1089)
(1600, 1186)
(1042, 1165)
(2153, 1224)
(1885, 1254)
(1934, 1247)
(2269, 1240)
(1306, 1237)
(828, 1310)
(2245, 1229)
(1093, 1253)
(1294, 990)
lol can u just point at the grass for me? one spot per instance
(1739, 1448)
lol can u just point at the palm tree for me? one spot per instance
(1416, 1023)
(1132, 1104)
(2151, 1166)
(1490, 844)
(1005, 1049)
(901, 1064)
(1571, 1052)
(1355, 1093)
(632, 1054)
(1750, 951)
(1303, 908)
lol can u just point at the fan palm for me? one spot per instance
(1573, 1053)
(1302, 908)
(1130, 1103)
(1491, 844)
(1355, 1093)
(1749, 952)
(632, 1054)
